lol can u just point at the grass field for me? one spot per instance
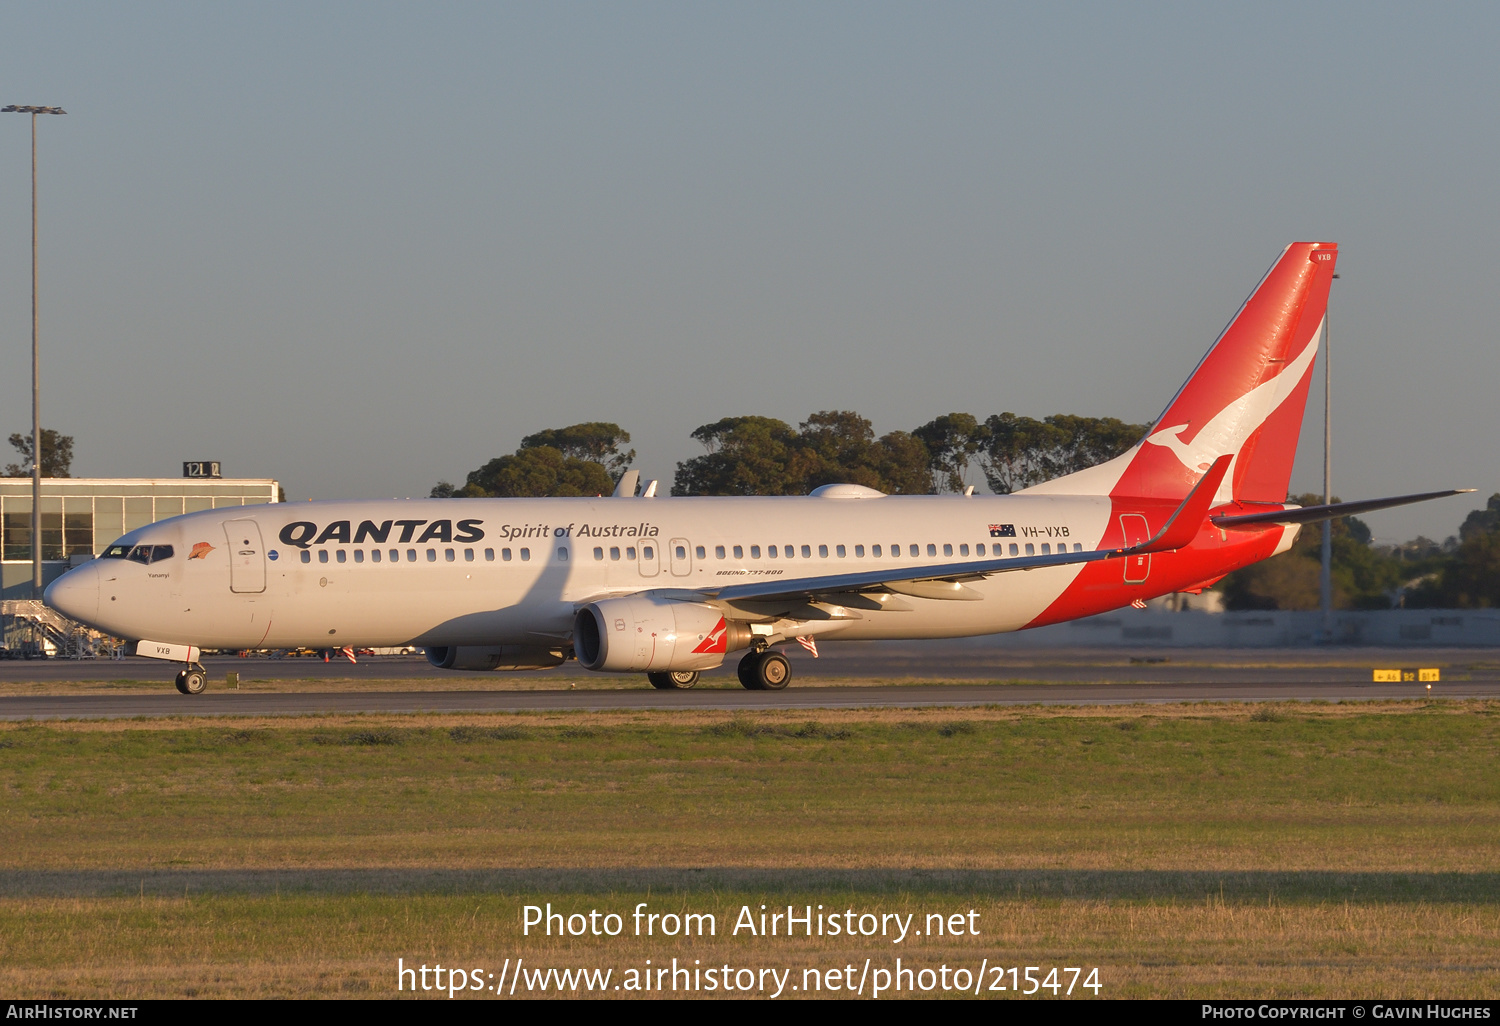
(1324, 850)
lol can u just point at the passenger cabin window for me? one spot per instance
(859, 551)
(1030, 549)
(432, 555)
(525, 555)
(599, 554)
(1013, 549)
(359, 555)
(1046, 549)
(341, 556)
(448, 555)
(630, 553)
(948, 550)
(648, 552)
(411, 555)
(963, 550)
(739, 552)
(489, 555)
(807, 551)
(979, 549)
(468, 555)
(701, 553)
(1077, 546)
(680, 551)
(562, 555)
(874, 551)
(931, 550)
(374, 555)
(306, 556)
(771, 551)
(505, 555)
(395, 555)
(755, 552)
(916, 550)
(322, 555)
(614, 552)
(838, 549)
(718, 552)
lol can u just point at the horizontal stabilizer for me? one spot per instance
(1317, 514)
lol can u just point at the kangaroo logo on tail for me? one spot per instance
(1229, 429)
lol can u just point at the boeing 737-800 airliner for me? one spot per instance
(671, 586)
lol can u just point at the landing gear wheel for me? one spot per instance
(192, 681)
(747, 671)
(673, 680)
(765, 671)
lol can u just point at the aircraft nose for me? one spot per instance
(75, 594)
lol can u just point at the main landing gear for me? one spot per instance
(673, 680)
(193, 680)
(765, 670)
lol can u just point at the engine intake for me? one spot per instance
(640, 632)
(494, 657)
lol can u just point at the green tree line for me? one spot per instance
(765, 456)
(57, 455)
(1460, 573)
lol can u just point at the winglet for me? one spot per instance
(1183, 526)
(625, 489)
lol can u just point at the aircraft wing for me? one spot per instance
(1316, 514)
(950, 575)
(945, 580)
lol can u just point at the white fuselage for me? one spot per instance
(513, 571)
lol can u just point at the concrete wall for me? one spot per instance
(1160, 627)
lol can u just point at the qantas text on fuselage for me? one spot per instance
(671, 586)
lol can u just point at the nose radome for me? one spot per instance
(75, 594)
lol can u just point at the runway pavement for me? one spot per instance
(958, 659)
(228, 703)
(885, 674)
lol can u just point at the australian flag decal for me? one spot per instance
(1002, 530)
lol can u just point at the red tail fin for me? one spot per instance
(1245, 399)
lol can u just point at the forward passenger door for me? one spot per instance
(247, 557)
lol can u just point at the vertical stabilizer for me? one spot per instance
(1246, 398)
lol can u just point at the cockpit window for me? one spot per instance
(147, 553)
(116, 552)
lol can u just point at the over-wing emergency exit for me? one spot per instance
(673, 586)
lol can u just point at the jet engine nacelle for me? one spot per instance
(642, 632)
(493, 657)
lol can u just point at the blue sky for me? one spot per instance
(362, 247)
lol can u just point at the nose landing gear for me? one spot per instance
(765, 670)
(193, 680)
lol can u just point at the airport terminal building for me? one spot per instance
(82, 515)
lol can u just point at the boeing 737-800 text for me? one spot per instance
(671, 586)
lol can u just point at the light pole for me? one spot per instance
(36, 374)
(1325, 575)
